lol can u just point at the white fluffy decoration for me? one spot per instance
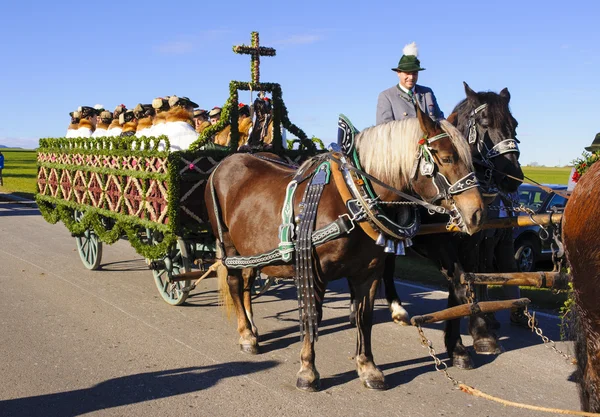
(411, 49)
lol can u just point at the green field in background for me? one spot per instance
(20, 172)
(548, 175)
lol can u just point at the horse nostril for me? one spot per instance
(478, 217)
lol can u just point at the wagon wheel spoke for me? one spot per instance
(172, 264)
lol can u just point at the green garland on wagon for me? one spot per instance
(230, 115)
(80, 151)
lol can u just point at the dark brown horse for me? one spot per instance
(245, 200)
(581, 227)
(485, 120)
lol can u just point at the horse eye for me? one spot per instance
(447, 160)
(485, 122)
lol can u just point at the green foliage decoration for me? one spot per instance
(583, 163)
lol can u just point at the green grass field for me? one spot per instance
(20, 172)
(544, 175)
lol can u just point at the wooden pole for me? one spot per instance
(468, 309)
(554, 280)
(502, 223)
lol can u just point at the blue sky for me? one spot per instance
(332, 57)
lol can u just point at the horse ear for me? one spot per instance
(453, 119)
(427, 125)
(505, 94)
(471, 95)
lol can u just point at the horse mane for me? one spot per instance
(499, 114)
(388, 151)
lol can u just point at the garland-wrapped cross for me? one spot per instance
(256, 51)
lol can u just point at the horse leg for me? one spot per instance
(370, 375)
(352, 315)
(249, 275)
(454, 345)
(308, 376)
(399, 314)
(248, 340)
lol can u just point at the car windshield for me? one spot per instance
(532, 199)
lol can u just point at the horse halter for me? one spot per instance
(425, 162)
(488, 154)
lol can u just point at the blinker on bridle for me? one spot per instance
(502, 147)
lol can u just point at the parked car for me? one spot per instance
(530, 248)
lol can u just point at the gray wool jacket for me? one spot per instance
(395, 104)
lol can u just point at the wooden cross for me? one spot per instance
(256, 51)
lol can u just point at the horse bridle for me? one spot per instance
(426, 163)
(488, 154)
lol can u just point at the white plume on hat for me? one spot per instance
(411, 49)
(99, 107)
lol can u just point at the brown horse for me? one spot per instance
(581, 226)
(246, 197)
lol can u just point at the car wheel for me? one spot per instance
(526, 256)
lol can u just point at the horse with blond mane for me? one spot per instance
(246, 194)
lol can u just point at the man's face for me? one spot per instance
(408, 79)
(198, 122)
(214, 119)
(94, 120)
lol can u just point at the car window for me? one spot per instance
(557, 201)
(532, 199)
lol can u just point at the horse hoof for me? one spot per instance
(487, 347)
(400, 315)
(462, 362)
(308, 386)
(251, 349)
(375, 384)
(402, 322)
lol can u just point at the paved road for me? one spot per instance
(103, 343)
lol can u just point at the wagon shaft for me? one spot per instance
(501, 223)
(554, 280)
(468, 309)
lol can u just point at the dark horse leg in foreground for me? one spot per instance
(581, 227)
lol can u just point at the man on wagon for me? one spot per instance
(398, 102)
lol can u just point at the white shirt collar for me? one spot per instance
(405, 89)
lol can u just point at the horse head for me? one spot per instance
(431, 159)
(490, 128)
(444, 173)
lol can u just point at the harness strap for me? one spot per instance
(342, 187)
(305, 273)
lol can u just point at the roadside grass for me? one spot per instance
(20, 172)
(545, 175)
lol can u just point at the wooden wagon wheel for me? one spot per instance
(175, 262)
(89, 246)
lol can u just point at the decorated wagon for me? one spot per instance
(110, 188)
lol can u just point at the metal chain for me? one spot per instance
(439, 365)
(531, 323)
